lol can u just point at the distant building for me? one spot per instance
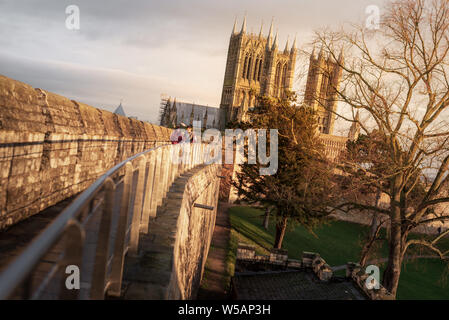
(174, 112)
(120, 110)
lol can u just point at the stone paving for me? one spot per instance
(292, 285)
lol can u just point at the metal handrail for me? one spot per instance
(157, 169)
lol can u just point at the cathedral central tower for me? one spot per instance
(323, 82)
(255, 66)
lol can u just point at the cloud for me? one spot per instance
(140, 49)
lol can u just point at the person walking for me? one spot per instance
(178, 135)
(191, 137)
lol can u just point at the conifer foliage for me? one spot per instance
(300, 190)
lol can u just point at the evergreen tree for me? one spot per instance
(300, 190)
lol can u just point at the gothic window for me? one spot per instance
(248, 72)
(277, 79)
(284, 76)
(324, 87)
(277, 74)
(245, 65)
(256, 65)
(259, 69)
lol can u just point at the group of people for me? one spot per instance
(183, 134)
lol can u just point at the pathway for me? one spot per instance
(213, 284)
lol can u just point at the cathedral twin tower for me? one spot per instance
(257, 67)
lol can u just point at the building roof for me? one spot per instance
(292, 285)
(184, 111)
(120, 110)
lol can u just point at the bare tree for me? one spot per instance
(397, 78)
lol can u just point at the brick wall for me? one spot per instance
(52, 148)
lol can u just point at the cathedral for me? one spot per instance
(323, 81)
(255, 66)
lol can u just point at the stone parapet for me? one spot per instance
(354, 271)
(172, 255)
(314, 261)
(52, 147)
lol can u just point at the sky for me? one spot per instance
(137, 50)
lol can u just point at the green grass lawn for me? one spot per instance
(339, 242)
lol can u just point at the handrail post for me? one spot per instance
(163, 175)
(202, 151)
(182, 165)
(101, 257)
(185, 157)
(198, 151)
(176, 152)
(119, 246)
(137, 210)
(194, 148)
(74, 237)
(167, 171)
(149, 193)
(191, 157)
(157, 178)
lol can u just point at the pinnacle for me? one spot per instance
(243, 25)
(286, 45)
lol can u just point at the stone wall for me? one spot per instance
(172, 255)
(355, 272)
(333, 145)
(52, 148)
(366, 218)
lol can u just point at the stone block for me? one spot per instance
(295, 264)
(307, 258)
(278, 256)
(325, 273)
(352, 267)
(245, 252)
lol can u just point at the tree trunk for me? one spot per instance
(373, 234)
(281, 227)
(376, 219)
(393, 271)
(266, 218)
(371, 239)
